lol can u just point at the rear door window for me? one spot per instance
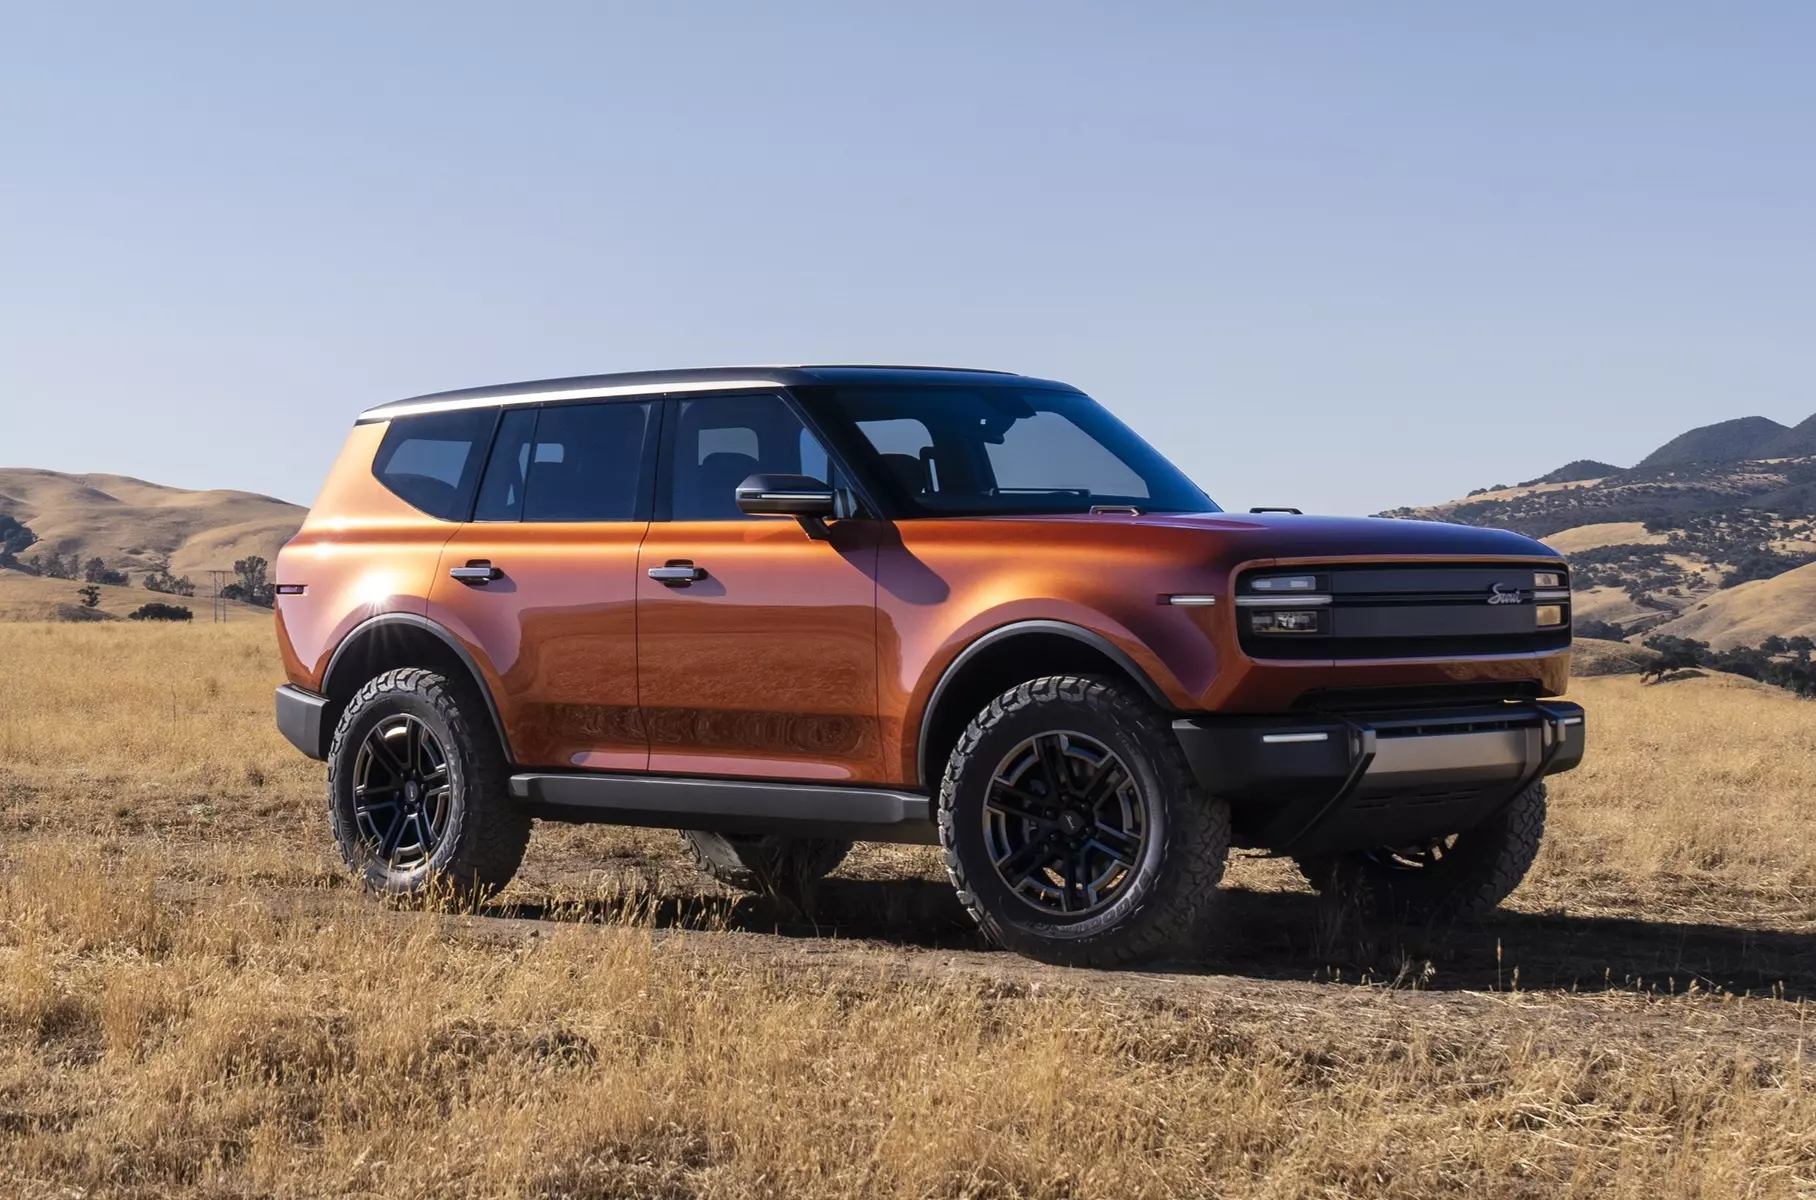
(431, 461)
(575, 462)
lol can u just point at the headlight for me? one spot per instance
(1284, 620)
(1549, 615)
(1285, 583)
(1547, 579)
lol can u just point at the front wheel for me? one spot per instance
(1446, 879)
(1073, 829)
(417, 789)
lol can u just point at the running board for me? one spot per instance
(730, 806)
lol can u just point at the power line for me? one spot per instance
(218, 602)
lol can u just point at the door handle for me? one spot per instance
(678, 573)
(477, 573)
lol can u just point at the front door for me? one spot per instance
(765, 666)
(549, 602)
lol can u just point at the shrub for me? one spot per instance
(156, 611)
(1606, 630)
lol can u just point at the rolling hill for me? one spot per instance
(133, 525)
(1712, 536)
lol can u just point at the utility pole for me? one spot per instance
(218, 610)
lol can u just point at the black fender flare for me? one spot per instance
(1015, 629)
(375, 627)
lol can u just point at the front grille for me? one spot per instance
(1414, 610)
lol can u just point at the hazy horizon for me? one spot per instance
(1337, 259)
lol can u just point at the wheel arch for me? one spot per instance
(393, 640)
(1003, 657)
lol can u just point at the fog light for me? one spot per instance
(1284, 621)
(1547, 579)
(1285, 583)
(1549, 615)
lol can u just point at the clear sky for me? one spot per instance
(1342, 256)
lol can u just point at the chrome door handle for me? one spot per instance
(677, 574)
(476, 573)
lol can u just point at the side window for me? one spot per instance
(431, 461)
(501, 492)
(905, 446)
(722, 440)
(584, 463)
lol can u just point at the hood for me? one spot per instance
(1283, 535)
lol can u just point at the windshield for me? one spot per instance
(977, 451)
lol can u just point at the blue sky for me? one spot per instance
(1341, 256)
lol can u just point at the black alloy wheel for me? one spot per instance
(1461, 875)
(1073, 829)
(419, 791)
(403, 793)
(1065, 823)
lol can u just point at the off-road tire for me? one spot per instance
(485, 834)
(1479, 871)
(1166, 904)
(755, 863)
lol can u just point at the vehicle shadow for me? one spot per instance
(1291, 936)
(1280, 934)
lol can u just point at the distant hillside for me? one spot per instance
(133, 525)
(1576, 472)
(1728, 441)
(32, 598)
(1712, 536)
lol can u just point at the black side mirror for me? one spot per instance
(808, 500)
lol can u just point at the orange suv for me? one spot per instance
(783, 609)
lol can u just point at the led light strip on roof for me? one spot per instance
(387, 411)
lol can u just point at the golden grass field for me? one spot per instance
(194, 1003)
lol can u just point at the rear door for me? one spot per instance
(765, 666)
(548, 602)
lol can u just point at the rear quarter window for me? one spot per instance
(432, 461)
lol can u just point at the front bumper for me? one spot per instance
(300, 719)
(1314, 782)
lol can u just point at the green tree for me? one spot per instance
(158, 611)
(254, 586)
(14, 537)
(91, 595)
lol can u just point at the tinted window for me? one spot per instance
(957, 450)
(1048, 453)
(432, 460)
(501, 493)
(585, 462)
(722, 440)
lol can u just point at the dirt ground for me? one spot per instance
(194, 1001)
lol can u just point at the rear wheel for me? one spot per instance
(1073, 829)
(1445, 879)
(417, 789)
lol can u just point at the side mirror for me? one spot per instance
(808, 500)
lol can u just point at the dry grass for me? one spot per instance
(37, 598)
(191, 1004)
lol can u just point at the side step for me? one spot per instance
(730, 806)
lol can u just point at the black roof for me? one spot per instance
(683, 379)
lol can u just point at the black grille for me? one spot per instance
(1415, 611)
